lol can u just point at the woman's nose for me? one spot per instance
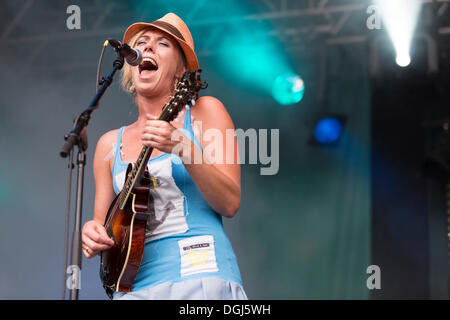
(149, 46)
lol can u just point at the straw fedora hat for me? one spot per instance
(173, 25)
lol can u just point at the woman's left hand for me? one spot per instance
(162, 135)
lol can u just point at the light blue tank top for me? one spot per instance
(185, 238)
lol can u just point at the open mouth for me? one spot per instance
(148, 64)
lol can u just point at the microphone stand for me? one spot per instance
(77, 137)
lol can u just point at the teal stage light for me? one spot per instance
(288, 89)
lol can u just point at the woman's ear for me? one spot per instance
(181, 71)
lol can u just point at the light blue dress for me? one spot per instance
(187, 254)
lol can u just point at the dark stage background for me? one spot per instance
(311, 230)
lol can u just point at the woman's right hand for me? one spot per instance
(94, 239)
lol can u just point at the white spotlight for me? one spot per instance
(403, 60)
(400, 19)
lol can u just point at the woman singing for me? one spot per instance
(187, 254)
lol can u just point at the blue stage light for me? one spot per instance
(328, 130)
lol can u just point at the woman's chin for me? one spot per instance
(145, 84)
(149, 84)
(147, 89)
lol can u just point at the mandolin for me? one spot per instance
(128, 213)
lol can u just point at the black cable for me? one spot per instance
(98, 80)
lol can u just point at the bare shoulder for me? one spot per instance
(211, 110)
(208, 104)
(106, 141)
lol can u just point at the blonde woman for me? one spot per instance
(187, 254)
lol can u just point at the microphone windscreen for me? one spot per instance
(134, 60)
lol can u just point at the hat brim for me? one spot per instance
(191, 57)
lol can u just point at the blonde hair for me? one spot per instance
(126, 78)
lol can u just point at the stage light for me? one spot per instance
(252, 60)
(400, 19)
(328, 130)
(403, 60)
(288, 89)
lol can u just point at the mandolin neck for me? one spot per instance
(134, 175)
(185, 92)
(139, 167)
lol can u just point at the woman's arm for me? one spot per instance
(94, 235)
(104, 192)
(218, 181)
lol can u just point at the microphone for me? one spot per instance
(132, 56)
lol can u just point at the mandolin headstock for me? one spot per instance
(185, 92)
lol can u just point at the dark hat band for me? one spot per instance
(170, 28)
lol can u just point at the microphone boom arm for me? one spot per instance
(82, 120)
(78, 137)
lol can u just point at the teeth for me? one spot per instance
(153, 62)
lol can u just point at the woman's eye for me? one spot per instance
(140, 43)
(164, 44)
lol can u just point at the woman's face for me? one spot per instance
(162, 63)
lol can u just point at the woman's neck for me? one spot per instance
(149, 105)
